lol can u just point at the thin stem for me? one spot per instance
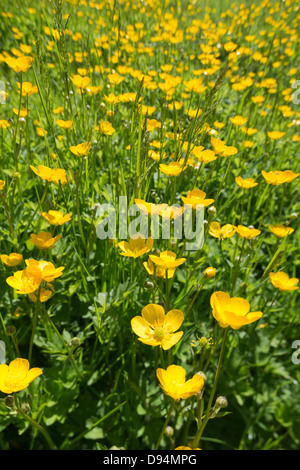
(165, 425)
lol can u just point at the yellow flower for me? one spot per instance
(245, 183)
(173, 382)
(81, 150)
(28, 89)
(44, 240)
(210, 272)
(173, 169)
(205, 156)
(238, 120)
(279, 177)
(56, 217)
(137, 246)
(54, 175)
(283, 282)
(158, 271)
(167, 260)
(44, 295)
(187, 448)
(170, 212)
(246, 232)
(80, 82)
(64, 124)
(156, 328)
(147, 207)
(215, 230)
(2, 184)
(196, 197)
(25, 281)
(221, 149)
(21, 64)
(12, 260)
(47, 269)
(275, 135)
(105, 127)
(232, 311)
(281, 231)
(17, 376)
(4, 124)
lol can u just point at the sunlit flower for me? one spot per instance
(44, 240)
(54, 175)
(220, 148)
(80, 82)
(17, 376)
(196, 197)
(283, 282)
(28, 89)
(152, 269)
(56, 217)
(245, 183)
(279, 177)
(216, 231)
(2, 184)
(246, 232)
(280, 230)
(167, 260)
(21, 64)
(12, 260)
(238, 120)
(173, 169)
(137, 246)
(81, 150)
(68, 124)
(232, 311)
(47, 269)
(173, 382)
(275, 135)
(43, 297)
(25, 281)
(210, 272)
(156, 328)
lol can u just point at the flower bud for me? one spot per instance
(11, 330)
(9, 401)
(148, 285)
(210, 272)
(212, 210)
(221, 402)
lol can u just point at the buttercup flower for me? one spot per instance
(246, 232)
(158, 271)
(196, 197)
(47, 269)
(275, 135)
(56, 217)
(279, 177)
(245, 183)
(81, 150)
(156, 328)
(12, 260)
(173, 169)
(137, 246)
(21, 64)
(215, 230)
(44, 295)
(44, 240)
(17, 376)
(167, 260)
(2, 184)
(220, 148)
(210, 272)
(283, 282)
(54, 175)
(238, 120)
(26, 281)
(280, 230)
(68, 124)
(232, 311)
(173, 382)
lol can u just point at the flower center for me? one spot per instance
(159, 333)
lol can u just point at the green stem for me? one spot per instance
(165, 425)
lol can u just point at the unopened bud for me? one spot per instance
(11, 330)
(148, 285)
(212, 210)
(210, 272)
(9, 401)
(221, 402)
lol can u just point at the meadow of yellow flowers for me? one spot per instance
(149, 241)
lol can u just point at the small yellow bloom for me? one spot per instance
(215, 230)
(210, 272)
(246, 232)
(12, 260)
(26, 281)
(167, 260)
(28, 89)
(4, 124)
(156, 328)
(245, 183)
(205, 156)
(173, 382)
(17, 376)
(47, 269)
(158, 271)
(283, 282)
(81, 150)
(64, 124)
(44, 240)
(137, 246)
(280, 230)
(173, 169)
(196, 197)
(56, 217)
(80, 82)
(54, 175)
(2, 184)
(105, 128)
(275, 135)
(21, 64)
(232, 311)
(44, 295)
(187, 448)
(279, 177)
(221, 149)
(238, 120)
